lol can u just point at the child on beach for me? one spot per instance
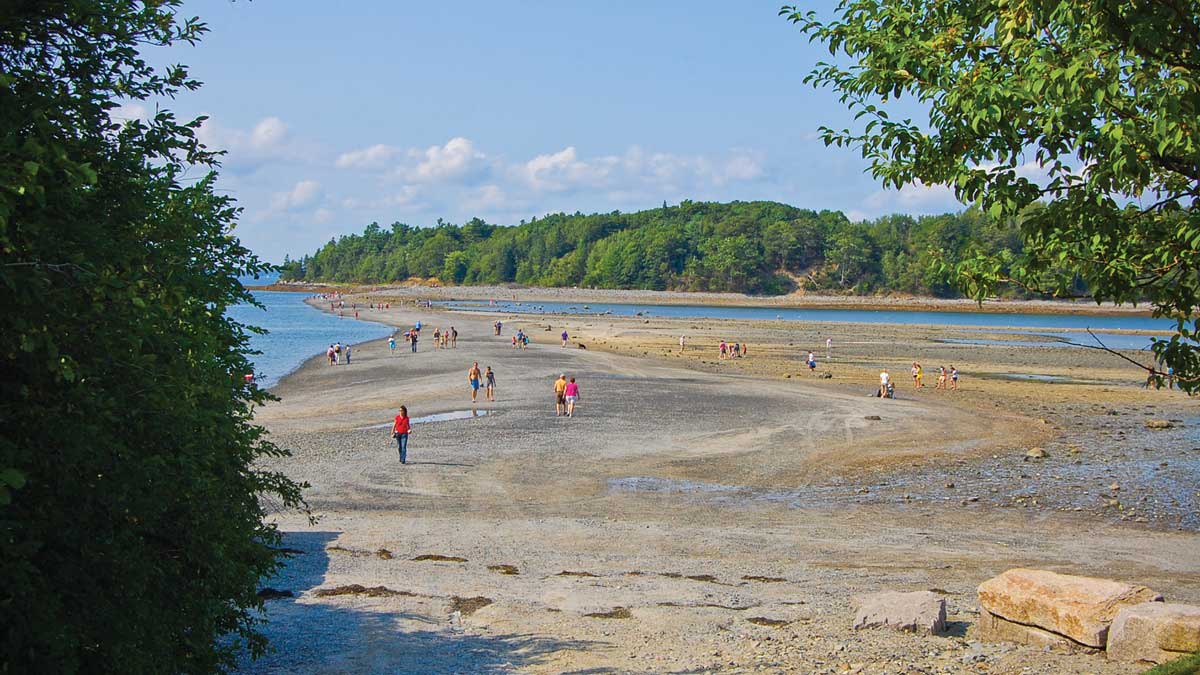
(812, 362)
(490, 389)
(400, 430)
(953, 378)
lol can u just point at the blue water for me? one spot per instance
(977, 319)
(1053, 327)
(296, 332)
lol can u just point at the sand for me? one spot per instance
(699, 515)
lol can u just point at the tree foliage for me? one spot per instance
(1078, 120)
(756, 247)
(131, 528)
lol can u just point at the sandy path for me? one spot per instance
(667, 473)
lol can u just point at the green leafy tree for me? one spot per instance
(1089, 109)
(131, 514)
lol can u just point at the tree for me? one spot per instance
(1088, 108)
(131, 522)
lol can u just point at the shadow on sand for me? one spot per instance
(353, 635)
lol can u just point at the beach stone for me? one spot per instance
(1036, 453)
(992, 628)
(1076, 607)
(1154, 631)
(916, 612)
(1159, 424)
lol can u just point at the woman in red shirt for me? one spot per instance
(400, 433)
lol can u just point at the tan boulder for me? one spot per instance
(915, 612)
(1154, 631)
(1078, 608)
(992, 628)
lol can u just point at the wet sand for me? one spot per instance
(700, 515)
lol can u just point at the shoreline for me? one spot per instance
(702, 514)
(790, 301)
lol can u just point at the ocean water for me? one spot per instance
(1050, 329)
(296, 332)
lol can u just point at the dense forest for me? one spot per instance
(753, 247)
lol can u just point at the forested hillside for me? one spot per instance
(754, 247)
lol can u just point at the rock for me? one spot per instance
(1075, 607)
(1154, 631)
(1036, 453)
(1159, 424)
(916, 612)
(872, 418)
(995, 629)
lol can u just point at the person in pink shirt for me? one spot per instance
(572, 394)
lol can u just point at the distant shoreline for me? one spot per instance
(790, 301)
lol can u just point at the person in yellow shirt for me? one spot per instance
(560, 395)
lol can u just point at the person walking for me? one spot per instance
(476, 379)
(453, 337)
(392, 344)
(572, 396)
(337, 353)
(490, 384)
(400, 430)
(412, 337)
(560, 395)
(330, 354)
(564, 338)
(347, 354)
(884, 381)
(828, 349)
(953, 378)
(682, 343)
(812, 362)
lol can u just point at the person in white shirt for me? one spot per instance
(883, 383)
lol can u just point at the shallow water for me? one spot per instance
(1063, 329)
(438, 417)
(297, 332)
(941, 318)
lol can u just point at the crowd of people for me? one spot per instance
(566, 390)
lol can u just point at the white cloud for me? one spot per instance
(488, 197)
(303, 194)
(374, 157)
(323, 216)
(405, 196)
(268, 140)
(268, 134)
(127, 112)
(635, 169)
(914, 197)
(455, 161)
(563, 170)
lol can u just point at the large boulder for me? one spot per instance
(1080, 609)
(916, 612)
(1154, 631)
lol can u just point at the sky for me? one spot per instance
(335, 115)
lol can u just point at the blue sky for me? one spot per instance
(338, 114)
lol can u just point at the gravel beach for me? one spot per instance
(700, 515)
